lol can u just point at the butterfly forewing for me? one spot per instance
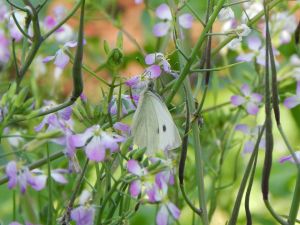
(153, 126)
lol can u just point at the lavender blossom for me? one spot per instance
(126, 105)
(61, 59)
(23, 176)
(163, 12)
(252, 133)
(4, 48)
(294, 100)
(101, 141)
(290, 158)
(84, 214)
(248, 99)
(134, 168)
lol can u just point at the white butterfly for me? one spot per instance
(153, 126)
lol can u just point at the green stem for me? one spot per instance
(66, 217)
(50, 206)
(184, 73)
(238, 200)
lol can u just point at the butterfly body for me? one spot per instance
(153, 126)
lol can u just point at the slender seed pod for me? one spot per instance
(184, 146)
(77, 70)
(269, 136)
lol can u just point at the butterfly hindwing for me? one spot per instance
(168, 134)
(153, 126)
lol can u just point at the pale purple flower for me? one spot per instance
(101, 141)
(186, 20)
(290, 158)
(163, 12)
(61, 59)
(134, 168)
(15, 223)
(257, 51)
(252, 133)
(83, 97)
(293, 100)
(14, 31)
(4, 49)
(241, 31)
(3, 12)
(138, 1)
(226, 14)
(84, 214)
(157, 64)
(248, 99)
(23, 176)
(164, 212)
(126, 104)
(62, 121)
(159, 194)
(124, 128)
(58, 175)
(56, 121)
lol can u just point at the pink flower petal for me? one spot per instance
(154, 71)
(254, 42)
(134, 167)
(174, 210)
(163, 12)
(48, 59)
(255, 97)
(135, 188)
(249, 147)
(59, 177)
(161, 29)
(11, 172)
(150, 58)
(252, 108)
(61, 59)
(95, 151)
(245, 89)
(243, 128)
(290, 158)
(237, 100)
(162, 216)
(186, 20)
(83, 215)
(292, 101)
(39, 182)
(245, 57)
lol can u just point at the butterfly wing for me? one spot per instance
(167, 131)
(145, 124)
(153, 126)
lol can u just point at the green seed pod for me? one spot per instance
(138, 155)
(153, 166)
(28, 103)
(126, 145)
(12, 90)
(21, 97)
(106, 47)
(115, 58)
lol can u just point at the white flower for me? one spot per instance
(226, 14)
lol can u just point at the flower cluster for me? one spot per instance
(252, 133)
(154, 189)
(84, 214)
(163, 12)
(22, 176)
(248, 99)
